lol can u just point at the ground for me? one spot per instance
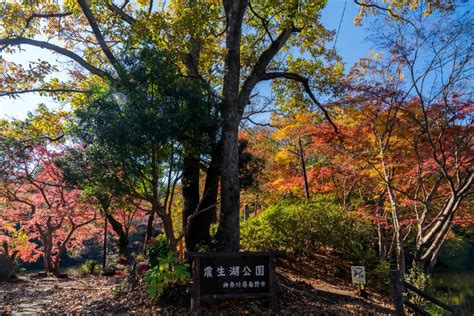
(305, 287)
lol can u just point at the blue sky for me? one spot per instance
(351, 45)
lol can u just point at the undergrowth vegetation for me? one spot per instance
(165, 270)
(304, 228)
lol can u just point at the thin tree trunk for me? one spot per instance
(149, 228)
(104, 262)
(303, 167)
(169, 231)
(400, 253)
(190, 190)
(122, 234)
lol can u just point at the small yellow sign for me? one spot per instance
(358, 274)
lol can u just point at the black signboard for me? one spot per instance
(224, 275)
(232, 275)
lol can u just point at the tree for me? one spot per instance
(146, 129)
(95, 171)
(38, 199)
(417, 145)
(435, 58)
(193, 31)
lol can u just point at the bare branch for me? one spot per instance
(388, 10)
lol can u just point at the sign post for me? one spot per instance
(358, 278)
(233, 275)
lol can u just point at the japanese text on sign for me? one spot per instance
(234, 275)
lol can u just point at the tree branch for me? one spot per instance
(305, 82)
(265, 58)
(124, 16)
(100, 38)
(390, 12)
(150, 7)
(261, 18)
(12, 93)
(56, 49)
(45, 16)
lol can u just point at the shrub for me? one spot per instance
(418, 278)
(165, 269)
(157, 250)
(90, 267)
(305, 228)
(379, 277)
(168, 271)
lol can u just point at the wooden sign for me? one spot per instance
(226, 275)
(358, 274)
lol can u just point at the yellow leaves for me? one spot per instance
(285, 157)
(143, 3)
(40, 124)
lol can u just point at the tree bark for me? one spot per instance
(303, 167)
(229, 221)
(122, 234)
(190, 190)
(198, 230)
(104, 261)
(149, 227)
(169, 230)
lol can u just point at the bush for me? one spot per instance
(90, 267)
(379, 277)
(157, 250)
(418, 278)
(305, 228)
(165, 270)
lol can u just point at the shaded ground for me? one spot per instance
(309, 289)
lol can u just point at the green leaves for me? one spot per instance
(165, 268)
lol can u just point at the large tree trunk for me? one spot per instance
(229, 223)
(198, 230)
(46, 237)
(48, 265)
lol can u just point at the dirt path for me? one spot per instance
(39, 295)
(304, 289)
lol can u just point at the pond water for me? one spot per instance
(455, 287)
